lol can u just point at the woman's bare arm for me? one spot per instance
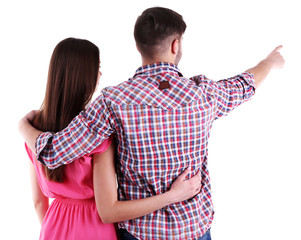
(41, 202)
(105, 188)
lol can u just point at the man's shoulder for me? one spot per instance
(119, 93)
(200, 79)
(141, 90)
(123, 85)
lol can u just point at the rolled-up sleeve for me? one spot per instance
(232, 92)
(86, 132)
(227, 94)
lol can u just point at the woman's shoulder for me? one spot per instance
(103, 146)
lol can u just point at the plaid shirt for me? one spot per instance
(159, 133)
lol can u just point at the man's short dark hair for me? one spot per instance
(154, 26)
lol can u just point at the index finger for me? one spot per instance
(277, 49)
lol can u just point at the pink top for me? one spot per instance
(73, 213)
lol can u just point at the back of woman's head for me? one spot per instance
(72, 79)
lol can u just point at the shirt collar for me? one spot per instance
(157, 68)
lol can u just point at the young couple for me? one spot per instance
(152, 131)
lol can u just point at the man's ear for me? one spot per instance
(138, 48)
(175, 46)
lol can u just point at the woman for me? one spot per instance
(72, 79)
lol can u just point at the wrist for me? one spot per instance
(266, 64)
(171, 196)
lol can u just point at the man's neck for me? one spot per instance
(156, 60)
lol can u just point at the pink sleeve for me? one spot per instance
(103, 147)
(30, 154)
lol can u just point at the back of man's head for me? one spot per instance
(154, 27)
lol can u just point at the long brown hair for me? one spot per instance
(72, 79)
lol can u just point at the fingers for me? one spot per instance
(196, 182)
(275, 58)
(197, 175)
(30, 116)
(184, 174)
(277, 49)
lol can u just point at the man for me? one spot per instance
(162, 122)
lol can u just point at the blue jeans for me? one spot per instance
(206, 236)
(125, 235)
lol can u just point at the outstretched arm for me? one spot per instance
(263, 68)
(232, 92)
(112, 210)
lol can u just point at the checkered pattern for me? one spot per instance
(159, 134)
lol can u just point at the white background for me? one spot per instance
(254, 153)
